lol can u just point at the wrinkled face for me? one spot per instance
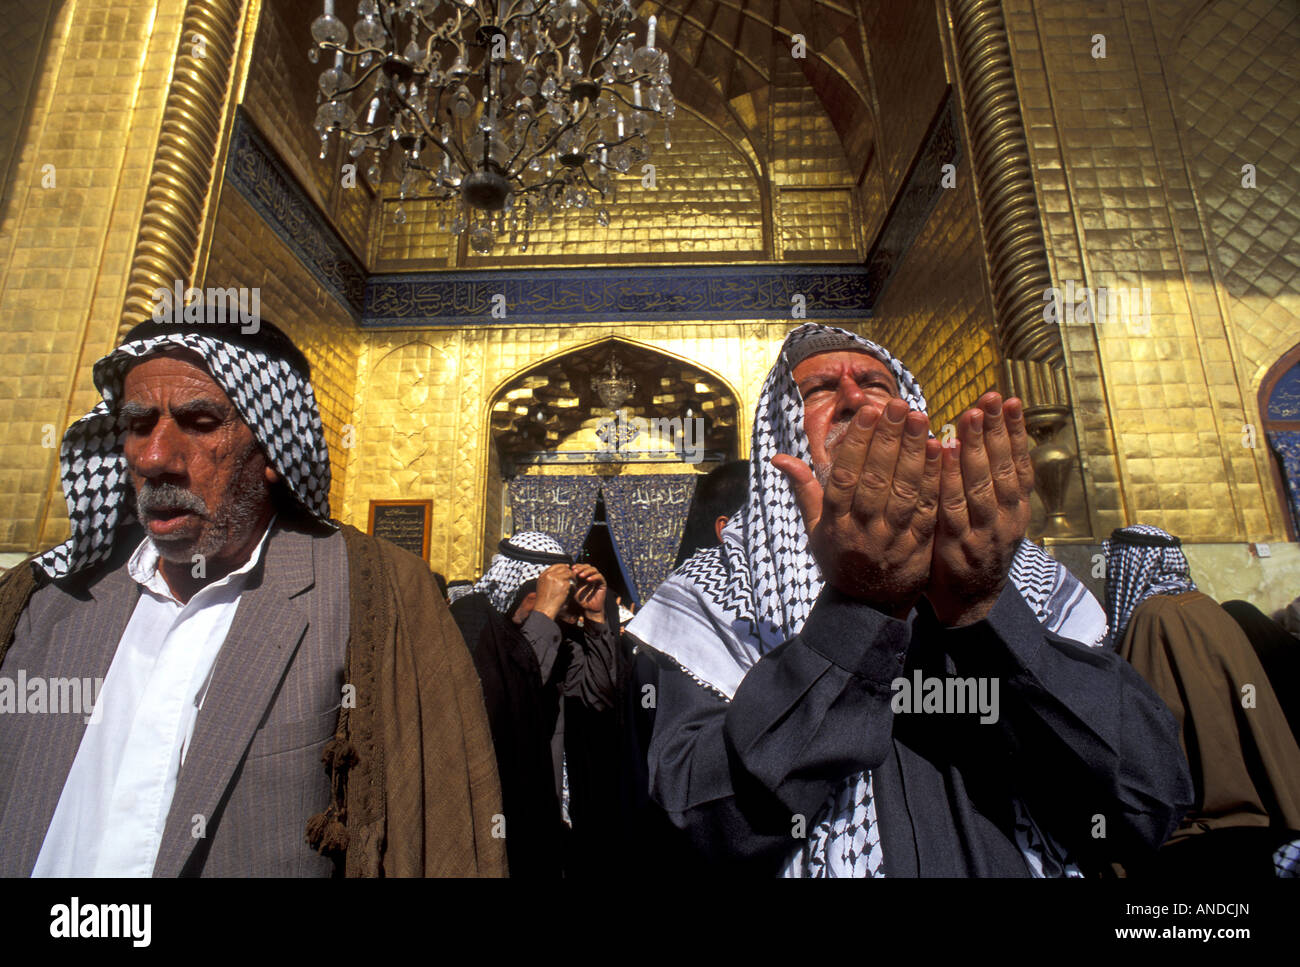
(834, 386)
(202, 484)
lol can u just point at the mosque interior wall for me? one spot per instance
(1136, 163)
(1126, 151)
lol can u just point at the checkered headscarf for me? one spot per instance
(727, 606)
(522, 558)
(1141, 561)
(271, 397)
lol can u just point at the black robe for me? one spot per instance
(523, 711)
(1078, 735)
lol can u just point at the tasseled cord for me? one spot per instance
(328, 831)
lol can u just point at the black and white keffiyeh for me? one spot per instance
(520, 559)
(727, 606)
(1141, 561)
(272, 398)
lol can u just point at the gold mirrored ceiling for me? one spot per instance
(546, 406)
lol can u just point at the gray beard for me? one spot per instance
(229, 526)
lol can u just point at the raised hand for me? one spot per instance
(983, 510)
(553, 589)
(871, 528)
(590, 594)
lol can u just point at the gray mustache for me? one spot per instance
(834, 434)
(154, 497)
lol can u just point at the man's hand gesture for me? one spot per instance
(590, 594)
(553, 589)
(871, 530)
(983, 510)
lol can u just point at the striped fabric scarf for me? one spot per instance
(728, 606)
(1141, 561)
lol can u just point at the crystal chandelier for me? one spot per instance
(498, 109)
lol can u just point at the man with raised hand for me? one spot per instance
(870, 560)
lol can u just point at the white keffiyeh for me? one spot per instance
(271, 397)
(729, 605)
(521, 559)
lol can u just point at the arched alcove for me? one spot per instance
(600, 447)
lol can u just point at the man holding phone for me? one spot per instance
(537, 626)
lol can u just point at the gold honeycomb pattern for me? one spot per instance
(1159, 413)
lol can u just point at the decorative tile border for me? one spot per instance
(253, 168)
(918, 199)
(549, 296)
(1284, 401)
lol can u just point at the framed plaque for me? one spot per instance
(404, 522)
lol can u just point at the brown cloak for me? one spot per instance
(1245, 762)
(414, 775)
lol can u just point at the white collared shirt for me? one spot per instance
(114, 805)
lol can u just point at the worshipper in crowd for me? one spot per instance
(718, 496)
(1278, 653)
(545, 642)
(1244, 758)
(783, 654)
(281, 695)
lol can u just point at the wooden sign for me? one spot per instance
(404, 522)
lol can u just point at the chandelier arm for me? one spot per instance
(458, 155)
(386, 20)
(631, 104)
(356, 85)
(450, 143)
(448, 36)
(523, 141)
(621, 141)
(609, 50)
(594, 187)
(561, 128)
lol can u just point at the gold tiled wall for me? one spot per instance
(706, 204)
(93, 112)
(22, 46)
(246, 252)
(814, 198)
(1238, 98)
(423, 397)
(907, 69)
(936, 315)
(1160, 415)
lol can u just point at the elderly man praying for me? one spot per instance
(870, 558)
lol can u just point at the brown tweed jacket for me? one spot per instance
(253, 774)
